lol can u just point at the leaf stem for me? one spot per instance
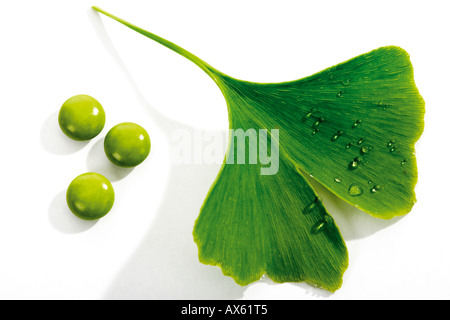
(212, 72)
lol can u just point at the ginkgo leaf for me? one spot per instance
(352, 127)
(252, 224)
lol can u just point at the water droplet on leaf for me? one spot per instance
(375, 189)
(320, 225)
(327, 218)
(383, 104)
(365, 149)
(355, 190)
(354, 164)
(356, 124)
(313, 204)
(337, 135)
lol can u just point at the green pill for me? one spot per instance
(81, 117)
(127, 144)
(90, 196)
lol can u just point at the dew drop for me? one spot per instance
(354, 164)
(346, 83)
(392, 149)
(355, 190)
(316, 124)
(383, 104)
(337, 135)
(348, 145)
(310, 114)
(327, 219)
(315, 131)
(338, 179)
(365, 149)
(331, 70)
(404, 161)
(313, 204)
(318, 226)
(390, 143)
(356, 124)
(360, 141)
(340, 94)
(375, 189)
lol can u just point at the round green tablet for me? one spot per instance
(127, 144)
(81, 117)
(90, 196)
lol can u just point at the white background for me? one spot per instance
(143, 249)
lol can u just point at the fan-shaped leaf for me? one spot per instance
(352, 127)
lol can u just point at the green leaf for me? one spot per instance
(253, 224)
(352, 127)
(359, 120)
